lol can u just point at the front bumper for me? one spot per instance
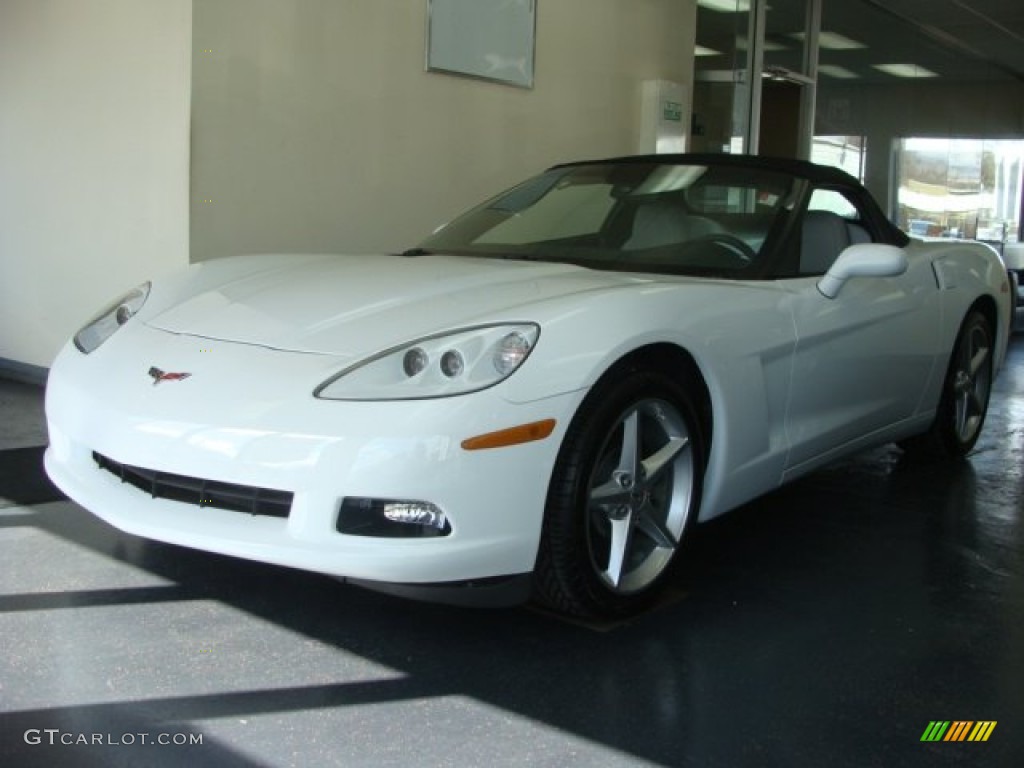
(246, 416)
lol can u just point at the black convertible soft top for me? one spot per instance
(826, 174)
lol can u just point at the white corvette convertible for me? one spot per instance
(545, 395)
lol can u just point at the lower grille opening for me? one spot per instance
(199, 491)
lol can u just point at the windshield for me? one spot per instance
(643, 217)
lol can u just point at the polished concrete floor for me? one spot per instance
(827, 624)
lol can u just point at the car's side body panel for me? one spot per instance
(864, 359)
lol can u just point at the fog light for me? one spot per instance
(391, 518)
(415, 513)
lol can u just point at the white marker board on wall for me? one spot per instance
(485, 39)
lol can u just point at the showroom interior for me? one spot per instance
(830, 622)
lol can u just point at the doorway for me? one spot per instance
(780, 118)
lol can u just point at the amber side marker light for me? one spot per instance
(524, 433)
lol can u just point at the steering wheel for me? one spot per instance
(731, 243)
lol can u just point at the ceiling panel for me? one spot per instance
(961, 40)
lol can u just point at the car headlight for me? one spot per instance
(112, 317)
(438, 366)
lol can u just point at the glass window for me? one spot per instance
(960, 188)
(634, 216)
(830, 200)
(578, 210)
(721, 89)
(846, 152)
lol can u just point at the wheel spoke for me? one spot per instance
(654, 464)
(656, 530)
(618, 548)
(975, 403)
(629, 455)
(610, 492)
(977, 361)
(961, 414)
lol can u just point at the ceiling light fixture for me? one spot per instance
(840, 73)
(904, 70)
(832, 41)
(725, 6)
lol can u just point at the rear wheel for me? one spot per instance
(625, 490)
(965, 393)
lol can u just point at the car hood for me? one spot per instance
(354, 305)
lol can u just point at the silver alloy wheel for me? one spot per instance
(639, 496)
(972, 381)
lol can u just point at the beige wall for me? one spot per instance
(316, 128)
(94, 99)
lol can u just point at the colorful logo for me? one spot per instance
(958, 730)
(157, 375)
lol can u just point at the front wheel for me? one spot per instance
(965, 393)
(624, 492)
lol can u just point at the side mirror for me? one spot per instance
(862, 260)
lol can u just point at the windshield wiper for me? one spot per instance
(417, 252)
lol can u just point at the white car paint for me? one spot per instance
(795, 379)
(246, 414)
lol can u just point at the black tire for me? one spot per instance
(965, 394)
(624, 492)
